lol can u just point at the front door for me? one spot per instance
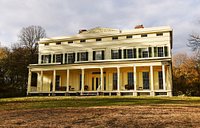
(96, 81)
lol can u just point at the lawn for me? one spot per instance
(100, 111)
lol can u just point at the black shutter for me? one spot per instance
(61, 58)
(54, 56)
(94, 53)
(49, 58)
(78, 56)
(74, 57)
(86, 56)
(134, 53)
(166, 50)
(120, 53)
(140, 53)
(155, 51)
(111, 54)
(102, 55)
(66, 58)
(150, 52)
(42, 59)
(124, 53)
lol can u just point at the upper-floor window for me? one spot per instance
(144, 35)
(130, 53)
(70, 42)
(46, 59)
(82, 40)
(98, 55)
(46, 44)
(160, 51)
(116, 54)
(143, 53)
(159, 34)
(82, 56)
(129, 36)
(115, 38)
(58, 43)
(98, 39)
(69, 58)
(57, 58)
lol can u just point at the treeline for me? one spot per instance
(14, 61)
(186, 75)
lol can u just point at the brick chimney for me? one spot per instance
(139, 26)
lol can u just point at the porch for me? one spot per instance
(134, 80)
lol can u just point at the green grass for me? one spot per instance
(62, 102)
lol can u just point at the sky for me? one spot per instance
(66, 17)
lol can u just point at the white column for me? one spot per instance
(51, 58)
(41, 79)
(54, 80)
(170, 80)
(122, 53)
(75, 57)
(152, 87)
(39, 58)
(118, 78)
(82, 77)
(67, 80)
(102, 79)
(163, 73)
(29, 81)
(134, 75)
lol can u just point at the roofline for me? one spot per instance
(106, 34)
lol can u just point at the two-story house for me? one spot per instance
(105, 61)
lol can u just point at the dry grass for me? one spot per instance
(180, 112)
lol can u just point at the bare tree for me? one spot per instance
(29, 36)
(194, 43)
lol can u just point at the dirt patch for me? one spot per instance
(100, 117)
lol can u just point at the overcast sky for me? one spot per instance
(66, 17)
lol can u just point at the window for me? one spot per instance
(114, 81)
(70, 58)
(160, 78)
(82, 41)
(129, 36)
(46, 44)
(144, 35)
(98, 39)
(58, 43)
(159, 34)
(160, 51)
(145, 80)
(58, 58)
(82, 56)
(98, 55)
(143, 53)
(116, 54)
(58, 82)
(130, 80)
(115, 38)
(70, 42)
(46, 59)
(130, 53)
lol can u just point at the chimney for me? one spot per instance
(82, 30)
(139, 26)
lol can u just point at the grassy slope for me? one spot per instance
(57, 102)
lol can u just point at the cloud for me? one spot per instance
(66, 17)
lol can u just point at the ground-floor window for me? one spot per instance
(145, 80)
(160, 77)
(130, 81)
(57, 82)
(114, 81)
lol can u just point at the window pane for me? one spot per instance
(160, 77)
(160, 51)
(98, 55)
(70, 58)
(115, 54)
(130, 80)
(129, 53)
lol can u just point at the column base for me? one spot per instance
(118, 94)
(169, 93)
(134, 93)
(152, 93)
